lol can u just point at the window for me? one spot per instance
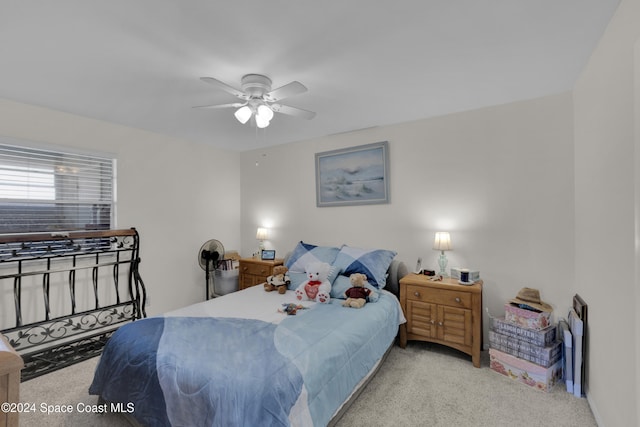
(45, 190)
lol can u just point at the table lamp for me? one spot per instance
(261, 235)
(442, 243)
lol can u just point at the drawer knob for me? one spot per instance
(440, 323)
(457, 299)
(416, 294)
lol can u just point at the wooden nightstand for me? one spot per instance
(443, 312)
(254, 271)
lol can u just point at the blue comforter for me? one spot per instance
(220, 371)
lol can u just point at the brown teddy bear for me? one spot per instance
(358, 292)
(279, 280)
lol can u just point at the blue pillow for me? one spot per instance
(296, 279)
(306, 253)
(374, 263)
(342, 283)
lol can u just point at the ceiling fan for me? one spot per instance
(259, 100)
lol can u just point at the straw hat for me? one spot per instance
(531, 297)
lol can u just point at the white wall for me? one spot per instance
(499, 179)
(606, 194)
(166, 189)
(636, 112)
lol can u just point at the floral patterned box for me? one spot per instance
(526, 318)
(527, 373)
(543, 337)
(543, 356)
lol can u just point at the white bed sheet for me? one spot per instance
(252, 303)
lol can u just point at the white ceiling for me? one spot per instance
(366, 63)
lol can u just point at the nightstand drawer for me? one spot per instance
(256, 269)
(439, 296)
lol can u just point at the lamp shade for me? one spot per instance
(442, 241)
(262, 234)
(243, 114)
(261, 122)
(265, 112)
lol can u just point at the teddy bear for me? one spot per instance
(317, 286)
(279, 280)
(358, 293)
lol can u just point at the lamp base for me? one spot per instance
(442, 262)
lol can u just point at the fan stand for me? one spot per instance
(210, 257)
(207, 276)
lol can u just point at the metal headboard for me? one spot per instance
(54, 341)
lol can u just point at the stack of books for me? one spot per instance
(524, 347)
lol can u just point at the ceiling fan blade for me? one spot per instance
(293, 111)
(233, 105)
(233, 91)
(290, 89)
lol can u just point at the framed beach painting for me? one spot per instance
(353, 176)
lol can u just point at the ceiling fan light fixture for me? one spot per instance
(243, 114)
(259, 100)
(265, 112)
(261, 121)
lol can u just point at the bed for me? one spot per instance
(239, 360)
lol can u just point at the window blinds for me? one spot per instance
(44, 190)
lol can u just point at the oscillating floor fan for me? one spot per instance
(209, 257)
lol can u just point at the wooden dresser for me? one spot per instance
(253, 271)
(10, 366)
(443, 312)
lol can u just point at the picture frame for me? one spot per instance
(353, 176)
(581, 309)
(268, 254)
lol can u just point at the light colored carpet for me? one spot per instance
(422, 385)
(431, 385)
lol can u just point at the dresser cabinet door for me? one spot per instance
(454, 325)
(421, 318)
